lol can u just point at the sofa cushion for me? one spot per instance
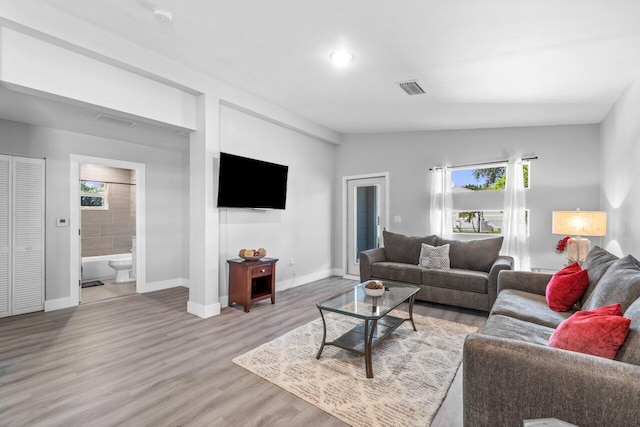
(599, 332)
(630, 350)
(566, 287)
(405, 249)
(596, 263)
(476, 255)
(529, 307)
(621, 283)
(397, 271)
(463, 280)
(434, 256)
(508, 327)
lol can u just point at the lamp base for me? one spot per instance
(577, 249)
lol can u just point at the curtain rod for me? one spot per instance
(484, 163)
(107, 182)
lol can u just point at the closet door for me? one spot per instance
(5, 235)
(28, 235)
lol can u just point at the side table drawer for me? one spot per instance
(261, 270)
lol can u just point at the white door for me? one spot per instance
(366, 206)
(28, 235)
(5, 235)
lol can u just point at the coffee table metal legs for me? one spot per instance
(369, 331)
(324, 335)
(411, 300)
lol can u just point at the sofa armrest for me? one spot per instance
(526, 281)
(367, 258)
(507, 381)
(503, 262)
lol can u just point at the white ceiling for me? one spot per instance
(483, 63)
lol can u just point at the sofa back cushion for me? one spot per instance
(596, 263)
(404, 249)
(476, 255)
(621, 283)
(630, 350)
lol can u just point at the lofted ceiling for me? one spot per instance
(483, 63)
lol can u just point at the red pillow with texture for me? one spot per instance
(599, 332)
(566, 287)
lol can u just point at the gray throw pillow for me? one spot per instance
(478, 255)
(596, 263)
(404, 249)
(434, 256)
(630, 350)
(621, 283)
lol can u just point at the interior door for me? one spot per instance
(5, 235)
(366, 206)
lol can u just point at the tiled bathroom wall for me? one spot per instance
(107, 232)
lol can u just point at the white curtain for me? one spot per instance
(514, 227)
(440, 211)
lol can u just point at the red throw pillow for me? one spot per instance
(566, 287)
(599, 332)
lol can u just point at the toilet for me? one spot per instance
(122, 268)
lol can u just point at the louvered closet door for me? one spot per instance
(28, 235)
(5, 235)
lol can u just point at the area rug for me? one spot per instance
(412, 370)
(91, 284)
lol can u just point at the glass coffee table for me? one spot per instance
(374, 311)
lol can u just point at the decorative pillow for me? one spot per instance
(596, 263)
(621, 283)
(478, 255)
(566, 287)
(598, 332)
(404, 249)
(434, 256)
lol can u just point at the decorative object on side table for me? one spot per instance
(252, 254)
(578, 223)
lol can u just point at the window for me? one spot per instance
(480, 179)
(93, 195)
(481, 222)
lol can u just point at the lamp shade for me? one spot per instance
(579, 223)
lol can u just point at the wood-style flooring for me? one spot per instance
(142, 360)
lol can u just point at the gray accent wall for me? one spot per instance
(620, 173)
(565, 176)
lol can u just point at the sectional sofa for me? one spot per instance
(470, 281)
(510, 374)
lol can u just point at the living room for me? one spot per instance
(56, 61)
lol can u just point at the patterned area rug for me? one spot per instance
(412, 370)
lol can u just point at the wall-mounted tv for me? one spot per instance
(250, 183)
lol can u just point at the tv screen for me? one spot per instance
(250, 183)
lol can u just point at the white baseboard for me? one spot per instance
(58, 304)
(302, 280)
(351, 277)
(203, 311)
(163, 284)
(224, 300)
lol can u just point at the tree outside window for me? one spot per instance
(93, 195)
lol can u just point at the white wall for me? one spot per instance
(620, 173)
(303, 230)
(164, 207)
(563, 178)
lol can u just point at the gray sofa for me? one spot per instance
(471, 281)
(510, 374)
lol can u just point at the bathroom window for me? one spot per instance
(93, 195)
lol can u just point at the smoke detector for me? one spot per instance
(163, 16)
(411, 87)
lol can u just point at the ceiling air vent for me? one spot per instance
(411, 87)
(115, 120)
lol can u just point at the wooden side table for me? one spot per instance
(251, 281)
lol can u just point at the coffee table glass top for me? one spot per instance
(355, 302)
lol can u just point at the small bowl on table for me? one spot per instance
(251, 258)
(373, 292)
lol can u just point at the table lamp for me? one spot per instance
(577, 224)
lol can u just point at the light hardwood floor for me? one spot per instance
(142, 360)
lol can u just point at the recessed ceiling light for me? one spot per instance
(163, 16)
(341, 58)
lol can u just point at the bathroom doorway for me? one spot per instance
(108, 232)
(106, 229)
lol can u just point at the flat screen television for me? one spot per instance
(250, 183)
